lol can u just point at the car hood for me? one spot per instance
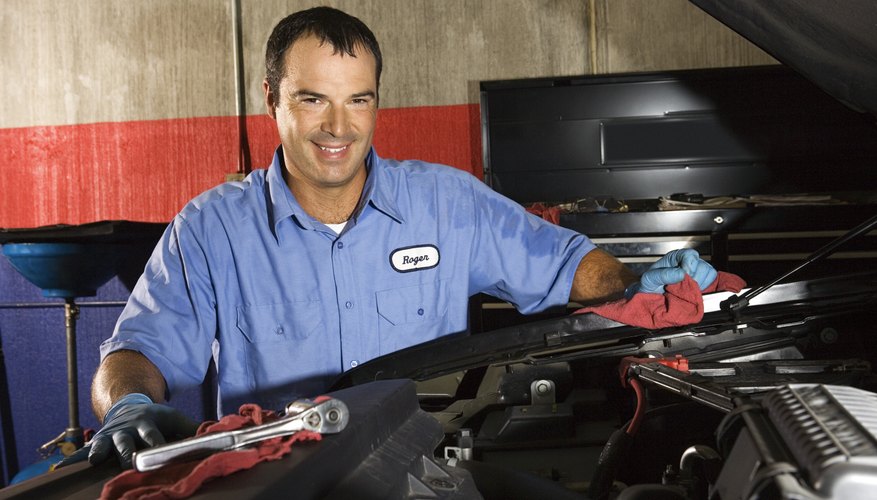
(832, 43)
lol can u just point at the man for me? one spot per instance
(331, 257)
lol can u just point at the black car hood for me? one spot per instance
(832, 43)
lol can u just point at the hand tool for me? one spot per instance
(326, 417)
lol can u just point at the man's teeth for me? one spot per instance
(333, 150)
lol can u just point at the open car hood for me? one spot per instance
(833, 44)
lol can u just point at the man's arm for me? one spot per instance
(599, 278)
(126, 396)
(121, 373)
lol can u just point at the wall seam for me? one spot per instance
(592, 35)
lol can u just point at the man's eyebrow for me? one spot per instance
(310, 93)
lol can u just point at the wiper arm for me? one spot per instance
(734, 304)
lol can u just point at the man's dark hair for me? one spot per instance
(341, 30)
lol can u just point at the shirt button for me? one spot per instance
(340, 244)
(279, 330)
(348, 304)
(354, 363)
(420, 312)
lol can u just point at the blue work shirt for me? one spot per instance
(283, 304)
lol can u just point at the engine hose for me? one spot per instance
(640, 407)
(615, 450)
(610, 459)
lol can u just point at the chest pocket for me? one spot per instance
(285, 357)
(279, 322)
(412, 314)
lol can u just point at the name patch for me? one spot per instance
(417, 258)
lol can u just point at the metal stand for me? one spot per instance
(74, 433)
(66, 262)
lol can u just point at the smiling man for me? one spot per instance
(330, 257)
(325, 108)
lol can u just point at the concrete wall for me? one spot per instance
(124, 110)
(117, 109)
(654, 35)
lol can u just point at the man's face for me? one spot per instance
(325, 114)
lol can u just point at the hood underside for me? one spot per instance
(832, 43)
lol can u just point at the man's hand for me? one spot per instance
(133, 422)
(672, 268)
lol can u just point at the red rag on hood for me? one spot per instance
(680, 304)
(183, 479)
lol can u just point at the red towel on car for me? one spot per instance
(681, 304)
(183, 479)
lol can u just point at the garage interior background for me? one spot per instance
(125, 110)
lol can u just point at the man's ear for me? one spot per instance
(270, 99)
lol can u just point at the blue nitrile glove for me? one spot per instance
(672, 268)
(133, 421)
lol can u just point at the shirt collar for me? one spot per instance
(377, 192)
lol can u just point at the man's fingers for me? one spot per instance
(672, 268)
(125, 448)
(699, 269)
(704, 275)
(690, 260)
(101, 449)
(150, 435)
(77, 456)
(175, 425)
(653, 281)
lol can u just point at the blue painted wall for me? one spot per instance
(33, 399)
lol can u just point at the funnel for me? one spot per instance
(64, 269)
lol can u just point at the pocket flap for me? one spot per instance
(279, 322)
(413, 304)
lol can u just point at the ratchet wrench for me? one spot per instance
(326, 417)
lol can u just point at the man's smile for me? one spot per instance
(333, 150)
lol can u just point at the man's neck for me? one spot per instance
(328, 205)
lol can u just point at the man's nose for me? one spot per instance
(336, 121)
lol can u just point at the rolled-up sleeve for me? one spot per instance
(521, 258)
(170, 316)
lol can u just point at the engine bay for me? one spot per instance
(731, 407)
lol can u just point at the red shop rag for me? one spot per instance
(680, 304)
(183, 479)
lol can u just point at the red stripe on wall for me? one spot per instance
(147, 170)
(442, 134)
